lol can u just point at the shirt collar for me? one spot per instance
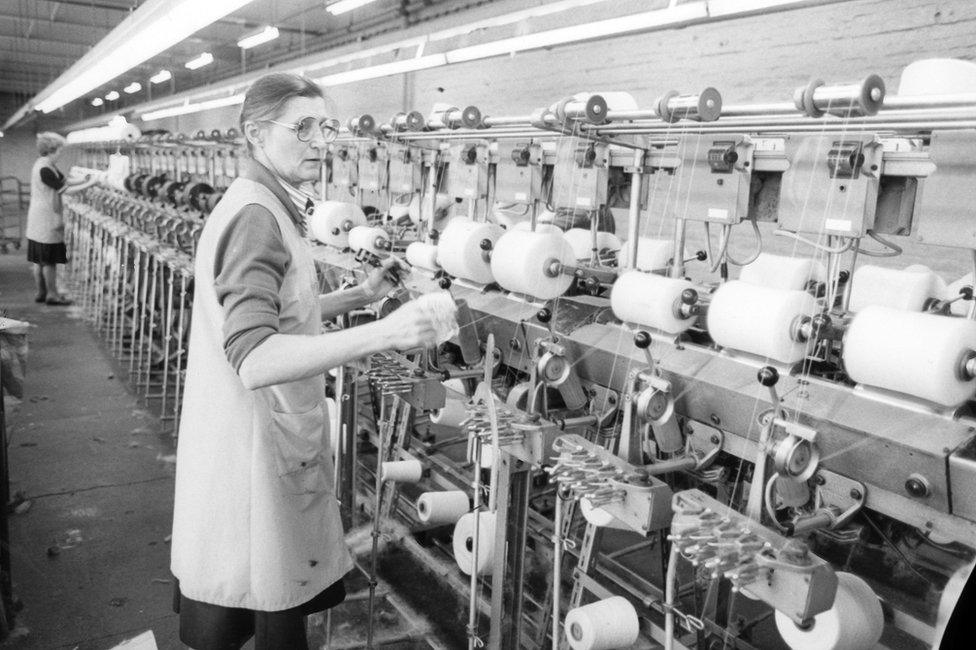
(255, 171)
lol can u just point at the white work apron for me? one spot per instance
(256, 524)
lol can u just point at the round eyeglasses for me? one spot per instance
(303, 128)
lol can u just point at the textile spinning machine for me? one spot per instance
(712, 376)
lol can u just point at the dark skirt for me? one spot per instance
(46, 254)
(212, 627)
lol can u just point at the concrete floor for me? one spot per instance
(90, 556)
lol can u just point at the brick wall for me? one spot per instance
(759, 57)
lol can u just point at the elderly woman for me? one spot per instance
(45, 225)
(257, 539)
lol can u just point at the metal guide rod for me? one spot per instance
(167, 336)
(382, 429)
(557, 566)
(180, 338)
(852, 126)
(151, 325)
(923, 110)
(633, 223)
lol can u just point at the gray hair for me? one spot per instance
(48, 142)
(267, 97)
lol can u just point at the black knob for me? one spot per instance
(915, 487)
(966, 293)
(768, 376)
(820, 323)
(444, 283)
(336, 231)
(485, 244)
(544, 315)
(844, 276)
(471, 155)
(689, 296)
(701, 256)
(642, 340)
(434, 235)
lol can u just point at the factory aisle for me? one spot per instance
(93, 469)
(90, 553)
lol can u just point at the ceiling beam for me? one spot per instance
(126, 6)
(34, 39)
(230, 20)
(40, 56)
(20, 19)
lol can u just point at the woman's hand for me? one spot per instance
(380, 281)
(409, 327)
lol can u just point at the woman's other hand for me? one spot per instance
(383, 279)
(409, 327)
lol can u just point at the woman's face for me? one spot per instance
(278, 147)
(54, 155)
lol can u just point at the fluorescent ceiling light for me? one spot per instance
(133, 87)
(184, 109)
(587, 31)
(269, 33)
(112, 96)
(688, 13)
(204, 59)
(344, 6)
(98, 101)
(161, 76)
(152, 28)
(384, 70)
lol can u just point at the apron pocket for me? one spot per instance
(299, 442)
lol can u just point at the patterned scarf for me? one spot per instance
(302, 200)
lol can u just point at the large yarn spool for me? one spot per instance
(527, 262)
(442, 507)
(331, 221)
(604, 625)
(401, 471)
(454, 410)
(463, 542)
(855, 622)
(650, 300)
(782, 272)
(912, 353)
(581, 241)
(652, 254)
(938, 77)
(905, 289)
(371, 239)
(759, 320)
(422, 255)
(460, 249)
